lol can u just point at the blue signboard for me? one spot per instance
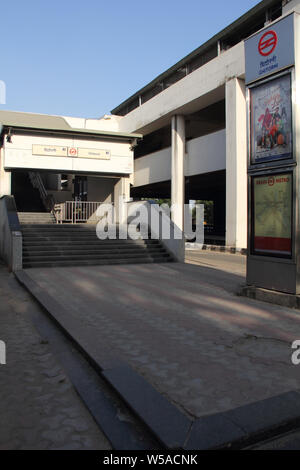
(270, 50)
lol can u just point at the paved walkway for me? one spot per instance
(39, 408)
(183, 328)
(224, 262)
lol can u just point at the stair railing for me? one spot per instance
(48, 199)
(76, 212)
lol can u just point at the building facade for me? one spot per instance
(193, 124)
(193, 118)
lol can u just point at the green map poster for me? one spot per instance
(272, 200)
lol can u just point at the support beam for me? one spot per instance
(236, 164)
(5, 177)
(177, 171)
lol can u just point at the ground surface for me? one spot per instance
(39, 408)
(184, 329)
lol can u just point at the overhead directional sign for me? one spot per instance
(53, 150)
(94, 153)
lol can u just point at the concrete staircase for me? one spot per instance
(39, 218)
(51, 245)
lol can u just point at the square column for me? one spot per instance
(121, 196)
(236, 164)
(177, 171)
(5, 177)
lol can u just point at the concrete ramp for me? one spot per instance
(200, 366)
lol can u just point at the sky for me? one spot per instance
(83, 58)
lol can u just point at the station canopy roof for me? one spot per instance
(46, 122)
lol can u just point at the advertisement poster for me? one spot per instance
(272, 201)
(271, 120)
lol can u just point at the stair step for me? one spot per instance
(97, 255)
(55, 230)
(93, 249)
(70, 240)
(47, 244)
(36, 218)
(58, 253)
(45, 264)
(90, 242)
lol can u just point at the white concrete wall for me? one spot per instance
(204, 155)
(105, 123)
(5, 177)
(153, 168)
(197, 90)
(18, 154)
(293, 5)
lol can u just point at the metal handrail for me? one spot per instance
(37, 183)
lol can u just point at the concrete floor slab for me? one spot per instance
(182, 327)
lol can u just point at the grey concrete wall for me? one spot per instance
(61, 196)
(10, 234)
(101, 189)
(176, 247)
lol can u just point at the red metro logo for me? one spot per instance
(271, 181)
(267, 43)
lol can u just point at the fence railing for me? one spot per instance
(76, 212)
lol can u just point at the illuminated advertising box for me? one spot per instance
(272, 214)
(271, 120)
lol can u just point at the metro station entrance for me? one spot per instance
(69, 198)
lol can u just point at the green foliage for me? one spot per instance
(158, 201)
(208, 211)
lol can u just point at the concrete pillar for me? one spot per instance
(236, 164)
(177, 171)
(121, 196)
(70, 182)
(5, 177)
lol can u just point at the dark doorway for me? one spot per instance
(27, 197)
(80, 188)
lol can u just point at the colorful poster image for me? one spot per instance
(271, 120)
(272, 204)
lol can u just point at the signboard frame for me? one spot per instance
(277, 56)
(271, 160)
(49, 150)
(267, 268)
(268, 252)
